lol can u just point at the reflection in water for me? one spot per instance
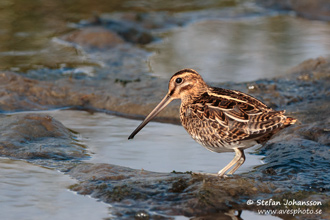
(241, 50)
(30, 192)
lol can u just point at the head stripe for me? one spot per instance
(185, 71)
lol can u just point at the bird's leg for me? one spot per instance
(237, 157)
(239, 162)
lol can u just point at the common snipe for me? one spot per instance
(219, 119)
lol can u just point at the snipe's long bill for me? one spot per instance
(219, 119)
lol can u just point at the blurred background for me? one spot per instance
(227, 40)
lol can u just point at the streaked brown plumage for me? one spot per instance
(219, 119)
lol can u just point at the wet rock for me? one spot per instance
(311, 70)
(152, 20)
(143, 194)
(139, 191)
(131, 32)
(179, 186)
(95, 37)
(120, 186)
(305, 83)
(37, 136)
(310, 9)
(318, 132)
(278, 5)
(21, 93)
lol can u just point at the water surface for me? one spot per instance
(30, 192)
(241, 50)
(225, 41)
(158, 147)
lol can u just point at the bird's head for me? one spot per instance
(185, 85)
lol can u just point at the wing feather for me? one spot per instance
(234, 116)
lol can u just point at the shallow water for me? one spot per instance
(158, 147)
(30, 192)
(240, 50)
(33, 192)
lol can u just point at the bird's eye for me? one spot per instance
(178, 80)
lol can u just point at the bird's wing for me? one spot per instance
(237, 116)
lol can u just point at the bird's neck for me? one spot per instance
(195, 95)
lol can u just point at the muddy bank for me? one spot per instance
(134, 191)
(19, 93)
(118, 79)
(305, 83)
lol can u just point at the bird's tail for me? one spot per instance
(289, 121)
